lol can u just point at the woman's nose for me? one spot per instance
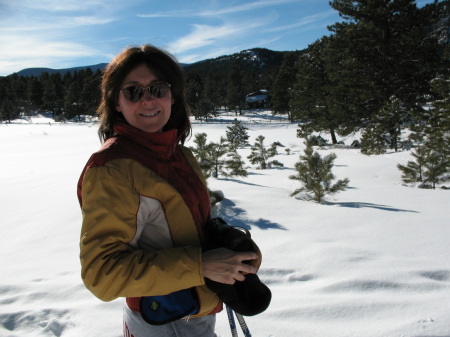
(147, 96)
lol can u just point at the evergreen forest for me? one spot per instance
(374, 72)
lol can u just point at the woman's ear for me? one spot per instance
(118, 108)
(173, 101)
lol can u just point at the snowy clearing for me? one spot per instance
(372, 261)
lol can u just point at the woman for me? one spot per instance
(144, 202)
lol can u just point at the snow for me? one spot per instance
(372, 261)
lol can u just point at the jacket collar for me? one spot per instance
(163, 143)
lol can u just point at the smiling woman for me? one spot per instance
(144, 202)
(142, 109)
(149, 110)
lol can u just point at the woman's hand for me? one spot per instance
(226, 266)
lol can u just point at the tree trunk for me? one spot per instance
(333, 136)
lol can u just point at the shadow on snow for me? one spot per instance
(236, 216)
(367, 205)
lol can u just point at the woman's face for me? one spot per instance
(148, 114)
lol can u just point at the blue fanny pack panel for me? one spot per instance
(159, 310)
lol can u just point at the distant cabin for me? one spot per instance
(258, 100)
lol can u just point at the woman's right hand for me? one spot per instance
(226, 266)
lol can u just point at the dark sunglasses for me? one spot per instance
(134, 93)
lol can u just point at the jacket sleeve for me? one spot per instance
(109, 269)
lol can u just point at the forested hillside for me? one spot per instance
(72, 93)
(373, 72)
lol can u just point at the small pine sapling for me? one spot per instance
(437, 169)
(235, 164)
(260, 154)
(412, 172)
(212, 158)
(202, 153)
(237, 134)
(429, 169)
(386, 129)
(218, 150)
(432, 165)
(372, 142)
(314, 172)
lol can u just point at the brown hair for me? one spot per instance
(165, 68)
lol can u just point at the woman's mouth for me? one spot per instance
(149, 114)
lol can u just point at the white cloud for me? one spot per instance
(245, 7)
(66, 23)
(33, 35)
(304, 21)
(204, 35)
(58, 5)
(214, 12)
(169, 14)
(231, 48)
(27, 52)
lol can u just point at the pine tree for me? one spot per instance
(217, 159)
(432, 169)
(437, 121)
(34, 94)
(373, 142)
(8, 111)
(384, 48)
(216, 154)
(260, 154)
(272, 152)
(90, 93)
(412, 172)
(429, 169)
(212, 92)
(237, 134)
(49, 97)
(205, 108)
(432, 130)
(387, 127)
(392, 117)
(72, 102)
(202, 154)
(18, 92)
(194, 93)
(283, 85)
(235, 93)
(235, 164)
(60, 92)
(314, 172)
(310, 95)
(437, 169)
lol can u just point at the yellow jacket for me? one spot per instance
(143, 199)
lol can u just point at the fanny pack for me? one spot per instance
(159, 310)
(249, 297)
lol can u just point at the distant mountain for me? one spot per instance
(257, 57)
(38, 71)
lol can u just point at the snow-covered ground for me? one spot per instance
(372, 261)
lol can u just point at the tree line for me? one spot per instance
(210, 84)
(64, 96)
(373, 73)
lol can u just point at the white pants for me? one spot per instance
(135, 326)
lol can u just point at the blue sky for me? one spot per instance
(68, 33)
